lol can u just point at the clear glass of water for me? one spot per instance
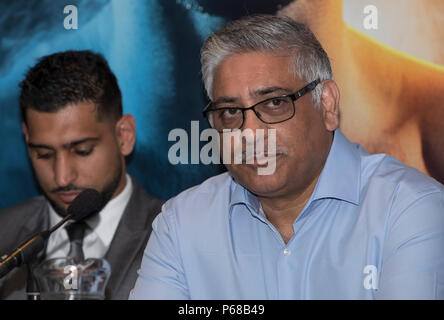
(68, 279)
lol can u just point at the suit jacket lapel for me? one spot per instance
(130, 239)
(37, 221)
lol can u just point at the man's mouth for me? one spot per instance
(260, 159)
(68, 197)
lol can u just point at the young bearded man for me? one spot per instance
(78, 138)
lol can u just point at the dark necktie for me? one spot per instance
(76, 232)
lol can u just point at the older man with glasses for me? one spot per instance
(331, 222)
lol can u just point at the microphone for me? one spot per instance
(87, 202)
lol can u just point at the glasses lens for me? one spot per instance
(225, 118)
(275, 109)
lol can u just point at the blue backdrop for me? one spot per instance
(152, 47)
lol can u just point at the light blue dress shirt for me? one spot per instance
(372, 229)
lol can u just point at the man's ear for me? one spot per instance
(330, 104)
(25, 132)
(126, 133)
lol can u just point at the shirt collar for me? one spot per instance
(340, 177)
(240, 195)
(106, 221)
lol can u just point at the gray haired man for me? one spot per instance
(331, 222)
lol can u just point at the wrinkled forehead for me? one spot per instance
(250, 72)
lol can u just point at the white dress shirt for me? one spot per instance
(100, 228)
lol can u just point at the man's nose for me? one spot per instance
(252, 121)
(64, 170)
(254, 130)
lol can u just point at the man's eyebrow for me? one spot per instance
(39, 145)
(77, 142)
(224, 100)
(268, 90)
(65, 146)
(257, 93)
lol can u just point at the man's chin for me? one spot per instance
(264, 188)
(60, 209)
(259, 185)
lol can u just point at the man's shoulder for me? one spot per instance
(143, 198)
(142, 207)
(406, 185)
(23, 209)
(213, 191)
(195, 211)
(22, 220)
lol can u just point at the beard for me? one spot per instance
(106, 193)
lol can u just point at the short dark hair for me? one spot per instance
(64, 78)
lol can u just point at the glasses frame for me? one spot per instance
(294, 96)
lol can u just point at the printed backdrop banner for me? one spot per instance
(387, 58)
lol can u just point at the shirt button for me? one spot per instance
(287, 252)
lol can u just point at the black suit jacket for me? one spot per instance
(124, 254)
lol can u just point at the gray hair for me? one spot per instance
(271, 34)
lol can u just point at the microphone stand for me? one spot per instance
(56, 226)
(27, 251)
(32, 289)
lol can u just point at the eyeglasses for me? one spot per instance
(270, 111)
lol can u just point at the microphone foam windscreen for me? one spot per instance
(87, 202)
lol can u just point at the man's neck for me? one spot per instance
(283, 211)
(122, 184)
